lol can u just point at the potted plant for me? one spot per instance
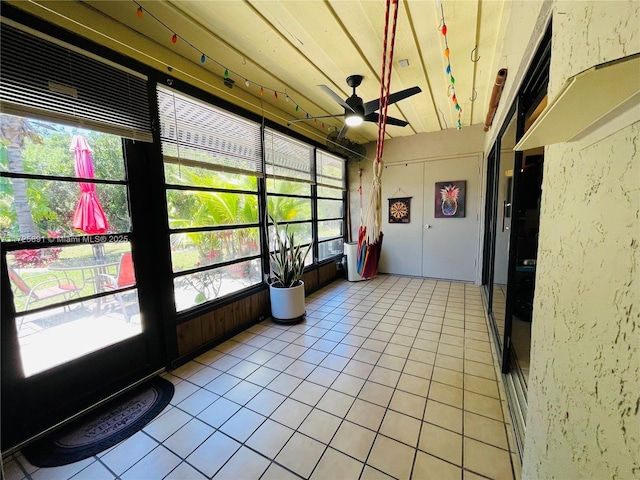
(286, 286)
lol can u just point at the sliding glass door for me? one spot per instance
(514, 188)
(498, 234)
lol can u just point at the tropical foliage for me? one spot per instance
(30, 146)
(204, 208)
(216, 240)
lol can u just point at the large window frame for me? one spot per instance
(225, 231)
(325, 248)
(289, 167)
(330, 190)
(317, 181)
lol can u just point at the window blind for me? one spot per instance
(330, 170)
(287, 159)
(46, 80)
(199, 134)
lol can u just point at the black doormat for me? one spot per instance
(102, 428)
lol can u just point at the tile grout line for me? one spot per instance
(382, 293)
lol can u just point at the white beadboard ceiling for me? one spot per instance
(293, 46)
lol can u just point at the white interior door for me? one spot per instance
(450, 245)
(402, 242)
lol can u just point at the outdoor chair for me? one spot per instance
(124, 277)
(47, 285)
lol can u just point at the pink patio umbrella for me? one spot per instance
(89, 216)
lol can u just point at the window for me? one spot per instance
(330, 177)
(65, 222)
(289, 177)
(65, 259)
(212, 160)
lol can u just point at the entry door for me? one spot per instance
(402, 242)
(450, 245)
(83, 322)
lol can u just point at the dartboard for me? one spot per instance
(399, 210)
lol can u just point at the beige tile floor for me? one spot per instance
(388, 378)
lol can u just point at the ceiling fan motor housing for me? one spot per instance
(355, 102)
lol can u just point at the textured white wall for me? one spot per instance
(584, 391)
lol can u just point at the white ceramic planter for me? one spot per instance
(287, 304)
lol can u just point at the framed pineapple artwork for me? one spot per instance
(450, 199)
(400, 210)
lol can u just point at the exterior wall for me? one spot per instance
(584, 390)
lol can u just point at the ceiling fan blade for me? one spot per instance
(397, 122)
(373, 117)
(374, 105)
(339, 100)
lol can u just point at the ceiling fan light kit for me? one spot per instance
(353, 119)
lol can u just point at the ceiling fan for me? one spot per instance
(356, 111)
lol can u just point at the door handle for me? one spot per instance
(505, 206)
(427, 226)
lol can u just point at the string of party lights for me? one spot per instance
(451, 89)
(175, 37)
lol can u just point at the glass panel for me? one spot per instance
(503, 232)
(49, 276)
(302, 236)
(203, 177)
(329, 209)
(44, 148)
(329, 229)
(287, 187)
(330, 248)
(59, 335)
(51, 207)
(329, 192)
(192, 250)
(196, 288)
(189, 209)
(301, 233)
(289, 209)
(330, 170)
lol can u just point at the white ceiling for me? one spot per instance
(293, 46)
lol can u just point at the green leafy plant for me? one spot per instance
(287, 259)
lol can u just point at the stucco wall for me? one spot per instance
(584, 390)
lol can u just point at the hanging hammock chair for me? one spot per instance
(370, 233)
